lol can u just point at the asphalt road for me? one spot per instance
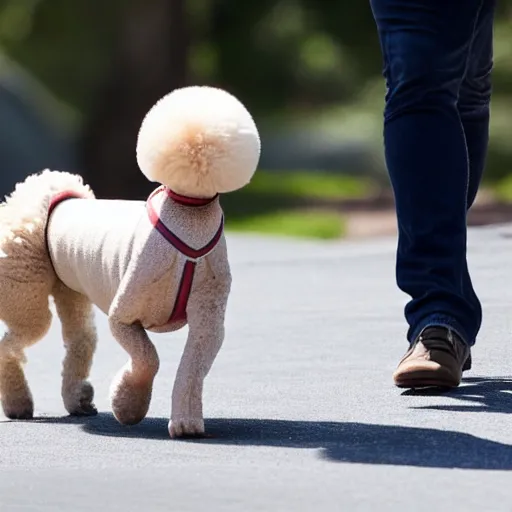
(300, 404)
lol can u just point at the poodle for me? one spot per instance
(155, 265)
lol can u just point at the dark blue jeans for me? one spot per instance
(438, 58)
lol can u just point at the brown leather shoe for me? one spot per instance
(436, 359)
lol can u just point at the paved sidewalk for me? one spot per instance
(299, 403)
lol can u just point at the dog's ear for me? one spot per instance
(199, 141)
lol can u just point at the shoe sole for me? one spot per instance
(426, 383)
(422, 378)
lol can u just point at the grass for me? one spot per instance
(307, 224)
(279, 203)
(502, 189)
(313, 185)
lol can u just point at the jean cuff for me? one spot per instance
(440, 321)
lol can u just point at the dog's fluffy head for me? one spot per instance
(199, 141)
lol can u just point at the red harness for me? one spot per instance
(54, 202)
(61, 196)
(179, 312)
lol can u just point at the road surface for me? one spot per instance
(300, 404)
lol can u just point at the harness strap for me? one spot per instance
(61, 196)
(54, 202)
(179, 312)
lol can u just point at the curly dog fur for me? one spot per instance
(27, 279)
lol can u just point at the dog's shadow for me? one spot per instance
(347, 442)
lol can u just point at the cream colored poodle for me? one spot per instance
(150, 266)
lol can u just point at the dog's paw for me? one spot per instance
(78, 398)
(186, 427)
(130, 398)
(18, 408)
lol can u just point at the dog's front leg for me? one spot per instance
(205, 337)
(131, 389)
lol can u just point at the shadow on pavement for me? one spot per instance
(338, 442)
(493, 394)
(105, 424)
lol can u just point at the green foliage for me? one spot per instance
(307, 185)
(286, 203)
(313, 60)
(303, 224)
(66, 44)
(16, 19)
(278, 54)
(502, 189)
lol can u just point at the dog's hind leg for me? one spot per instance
(76, 314)
(24, 328)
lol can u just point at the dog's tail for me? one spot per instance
(23, 219)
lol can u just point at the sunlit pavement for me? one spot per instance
(300, 408)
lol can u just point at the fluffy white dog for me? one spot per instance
(150, 266)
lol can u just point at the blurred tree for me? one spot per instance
(108, 62)
(150, 58)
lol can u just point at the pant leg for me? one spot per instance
(475, 97)
(426, 45)
(474, 110)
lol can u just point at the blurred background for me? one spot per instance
(77, 77)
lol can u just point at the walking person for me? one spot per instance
(438, 57)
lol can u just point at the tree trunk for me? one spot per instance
(150, 61)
